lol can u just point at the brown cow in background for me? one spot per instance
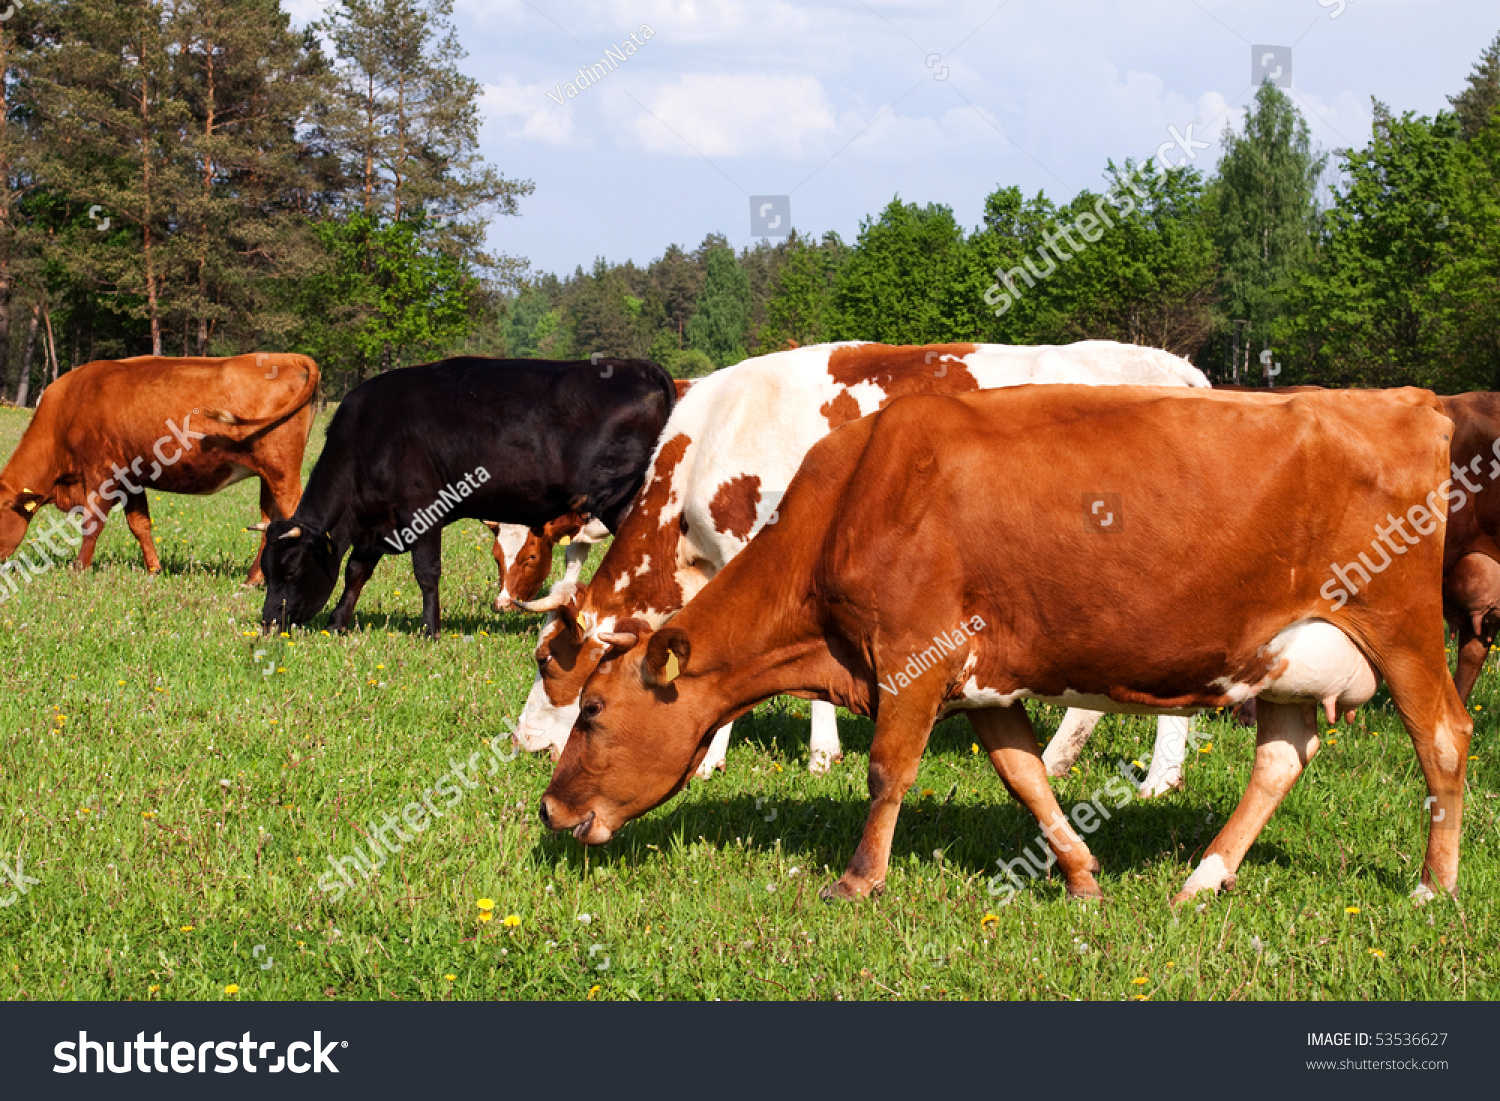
(108, 432)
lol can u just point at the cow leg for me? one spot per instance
(714, 759)
(1067, 743)
(356, 574)
(1471, 593)
(86, 548)
(1008, 738)
(824, 748)
(427, 565)
(1440, 731)
(902, 727)
(1286, 739)
(1165, 773)
(138, 517)
(278, 500)
(574, 559)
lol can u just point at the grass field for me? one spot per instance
(177, 807)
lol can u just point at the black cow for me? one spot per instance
(521, 441)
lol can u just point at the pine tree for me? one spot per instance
(1476, 104)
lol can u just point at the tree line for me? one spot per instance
(195, 178)
(1389, 276)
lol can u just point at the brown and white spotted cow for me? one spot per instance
(110, 431)
(524, 557)
(1471, 576)
(942, 556)
(726, 455)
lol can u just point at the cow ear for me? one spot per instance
(667, 656)
(28, 501)
(567, 618)
(564, 526)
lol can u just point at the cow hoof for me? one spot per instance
(1085, 892)
(1422, 895)
(845, 888)
(1210, 875)
(822, 761)
(708, 768)
(1161, 787)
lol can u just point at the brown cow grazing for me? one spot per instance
(950, 553)
(109, 432)
(1471, 575)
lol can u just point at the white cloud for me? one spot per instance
(525, 111)
(731, 115)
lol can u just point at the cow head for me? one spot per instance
(17, 507)
(301, 565)
(565, 656)
(644, 724)
(524, 556)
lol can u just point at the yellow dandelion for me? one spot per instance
(1138, 982)
(450, 978)
(1142, 997)
(1171, 963)
(511, 921)
(974, 748)
(1206, 748)
(486, 915)
(926, 792)
(1351, 909)
(285, 635)
(593, 990)
(120, 683)
(1377, 953)
(187, 928)
(153, 988)
(232, 988)
(988, 919)
(325, 634)
(148, 814)
(486, 904)
(1333, 741)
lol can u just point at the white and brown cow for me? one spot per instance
(524, 557)
(958, 528)
(726, 456)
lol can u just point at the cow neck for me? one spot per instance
(34, 465)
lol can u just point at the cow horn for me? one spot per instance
(292, 533)
(623, 639)
(262, 526)
(552, 601)
(493, 525)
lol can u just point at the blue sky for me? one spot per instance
(842, 104)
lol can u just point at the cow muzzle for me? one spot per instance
(589, 830)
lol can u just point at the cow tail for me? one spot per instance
(314, 376)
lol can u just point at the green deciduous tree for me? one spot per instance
(720, 326)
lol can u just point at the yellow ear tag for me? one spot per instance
(565, 540)
(29, 506)
(672, 669)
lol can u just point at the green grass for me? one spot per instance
(178, 807)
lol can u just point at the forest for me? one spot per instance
(187, 178)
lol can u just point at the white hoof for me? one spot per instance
(1151, 788)
(1423, 894)
(709, 767)
(1211, 875)
(822, 761)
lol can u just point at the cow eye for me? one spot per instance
(541, 661)
(591, 708)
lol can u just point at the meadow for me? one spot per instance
(177, 798)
